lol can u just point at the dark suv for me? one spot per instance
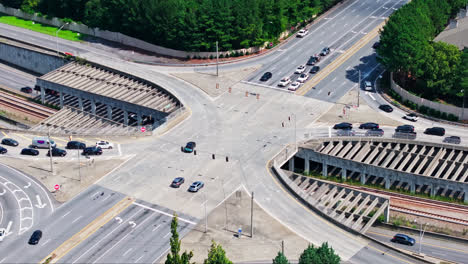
(343, 125)
(403, 239)
(437, 131)
(177, 182)
(76, 145)
(92, 151)
(35, 237)
(312, 60)
(405, 129)
(266, 76)
(56, 152)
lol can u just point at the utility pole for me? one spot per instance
(56, 36)
(251, 215)
(217, 58)
(50, 151)
(359, 88)
(206, 219)
(463, 105)
(282, 247)
(79, 164)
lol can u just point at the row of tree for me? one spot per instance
(216, 255)
(427, 68)
(191, 25)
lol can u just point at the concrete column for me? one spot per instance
(433, 190)
(412, 187)
(109, 112)
(387, 182)
(93, 107)
(363, 178)
(42, 95)
(306, 165)
(324, 169)
(80, 103)
(344, 173)
(387, 213)
(291, 164)
(465, 196)
(125, 117)
(139, 119)
(61, 99)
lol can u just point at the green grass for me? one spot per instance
(41, 28)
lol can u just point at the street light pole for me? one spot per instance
(463, 105)
(421, 234)
(217, 58)
(56, 36)
(359, 88)
(50, 151)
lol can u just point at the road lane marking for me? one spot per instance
(166, 235)
(138, 259)
(77, 219)
(47, 241)
(66, 214)
(126, 252)
(164, 213)
(4, 134)
(88, 230)
(154, 229)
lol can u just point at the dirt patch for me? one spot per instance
(223, 224)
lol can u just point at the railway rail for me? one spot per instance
(24, 106)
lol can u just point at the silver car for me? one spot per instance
(196, 186)
(345, 133)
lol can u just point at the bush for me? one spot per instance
(452, 117)
(247, 53)
(211, 57)
(444, 116)
(423, 109)
(437, 113)
(221, 56)
(188, 57)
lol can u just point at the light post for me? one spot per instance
(359, 88)
(56, 36)
(50, 150)
(421, 234)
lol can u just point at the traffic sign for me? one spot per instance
(271, 44)
(143, 129)
(56, 187)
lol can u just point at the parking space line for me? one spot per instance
(154, 229)
(5, 134)
(139, 258)
(166, 235)
(164, 213)
(126, 252)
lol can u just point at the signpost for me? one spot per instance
(56, 187)
(143, 129)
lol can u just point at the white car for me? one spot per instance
(302, 33)
(104, 144)
(2, 233)
(368, 86)
(300, 69)
(411, 117)
(303, 77)
(294, 86)
(284, 82)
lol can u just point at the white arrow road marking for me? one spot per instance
(39, 202)
(7, 230)
(2, 193)
(27, 186)
(133, 224)
(118, 219)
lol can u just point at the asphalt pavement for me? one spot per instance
(14, 78)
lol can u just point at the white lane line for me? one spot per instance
(43, 244)
(3, 259)
(1, 213)
(334, 79)
(164, 213)
(138, 259)
(66, 214)
(77, 219)
(120, 150)
(154, 229)
(166, 235)
(126, 252)
(372, 97)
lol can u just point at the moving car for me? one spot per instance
(3, 150)
(177, 182)
(266, 76)
(104, 144)
(367, 86)
(405, 135)
(300, 69)
(27, 90)
(92, 151)
(56, 152)
(190, 147)
(284, 82)
(346, 133)
(403, 239)
(9, 142)
(436, 131)
(411, 117)
(452, 140)
(42, 142)
(294, 86)
(303, 77)
(369, 125)
(375, 132)
(385, 107)
(405, 128)
(312, 60)
(325, 51)
(343, 125)
(30, 151)
(76, 145)
(302, 33)
(196, 186)
(314, 69)
(35, 237)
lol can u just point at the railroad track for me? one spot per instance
(429, 215)
(24, 106)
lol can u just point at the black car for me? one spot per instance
(27, 90)
(190, 147)
(375, 132)
(92, 151)
(57, 152)
(30, 151)
(3, 150)
(386, 108)
(177, 182)
(266, 76)
(343, 125)
(76, 145)
(325, 51)
(403, 239)
(35, 237)
(369, 125)
(452, 139)
(405, 128)
(9, 142)
(314, 69)
(312, 60)
(436, 131)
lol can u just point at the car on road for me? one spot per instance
(3, 150)
(177, 182)
(403, 239)
(405, 128)
(386, 108)
(314, 69)
(9, 142)
(92, 151)
(196, 186)
(312, 60)
(294, 86)
(266, 76)
(369, 125)
(375, 132)
(346, 133)
(2, 234)
(190, 147)
(30, 151)
(27, 90)
(76, 145)
(104, 144)
(300, 69)
(303, 77)
(35, 237)
(405, 135)
(368, 86)
(325, 51)
(343, 125)
(56, 152)
(452, 140)
(284, 82)
(436, 131)
(411, 117)
(302, 33)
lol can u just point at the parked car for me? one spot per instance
(177, 182)
(403, 239)
(27, 90)
(375, 132)
(302, 33)
(76, 145)
(3, 150)
(56, 152)
(405, 128)
(190, 147)
(369, 125)
(294, 86)
(303, 77)
(92, 151)
(35, 237)
(411, 117)
(196, 186)
(104, 144)
(345, 133)
(2, 234)
(436, 131)
(452, 140)
(300, 69)
(30, 151)
(343, 125)
(9, 142)
(284, 82)
(314, 69)
(325, 51)
(312, 60)
(368, 86)
(386, 108)
(266, 76)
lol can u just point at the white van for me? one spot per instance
(42, 142)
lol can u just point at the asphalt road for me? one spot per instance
(15, 78)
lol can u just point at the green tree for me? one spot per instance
(173, 256)
(321, 255)
(216, 255)
(280, 259)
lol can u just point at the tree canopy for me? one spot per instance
(216, 255)
(280, 259)
(320, 255)
(173, 256)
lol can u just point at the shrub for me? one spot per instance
(452, 117)
(444, 116)
(247, 53)
(437, 113)
(211, 57)
(188, 57)
(221, 56)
